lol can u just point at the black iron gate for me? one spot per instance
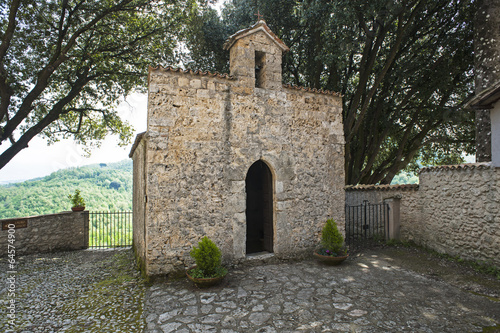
(110, 229)
(366, 222)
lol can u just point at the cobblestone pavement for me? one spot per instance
(81, 291)
(100, 291)
(365, 294)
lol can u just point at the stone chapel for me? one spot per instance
(256, 166)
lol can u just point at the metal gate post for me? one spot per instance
(394, 222)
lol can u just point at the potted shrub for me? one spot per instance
(332, 248)
(77, 202)
(208, 270)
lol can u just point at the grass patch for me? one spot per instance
(113, 303)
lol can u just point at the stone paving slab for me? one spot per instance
(365, 294)
(101, 291)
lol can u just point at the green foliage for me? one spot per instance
(405, 178)
(49, 194)
(110, 230)
(76, 199)
(207, 257)
(65, 65)
(404, 69)
(331, 238)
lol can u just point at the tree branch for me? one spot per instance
(53, 115)
(5, 89)
(46, 72)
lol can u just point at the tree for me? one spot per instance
(487, 69)
(65, 63)
(403, 67)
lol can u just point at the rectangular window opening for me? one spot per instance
(259, 69)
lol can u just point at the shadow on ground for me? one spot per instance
(436, 267)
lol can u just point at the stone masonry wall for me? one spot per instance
(139, 198)
(454, 210)
(204, 133)
(202, 138)
(461, 211)
(47, 233)
(185, 162)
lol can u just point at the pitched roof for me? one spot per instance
(138, 139)
(486, 98)
(259, 26)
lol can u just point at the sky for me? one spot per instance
(39, 160)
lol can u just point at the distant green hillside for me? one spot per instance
(105, 187)
(405, 178)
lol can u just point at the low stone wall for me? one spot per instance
(461, 211)
(454, 210)
(45, 233)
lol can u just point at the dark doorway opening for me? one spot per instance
(259, 212)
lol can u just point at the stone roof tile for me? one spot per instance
(190, 71)
(312, 90)
(402, 187)
(466, 166)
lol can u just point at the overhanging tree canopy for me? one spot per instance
(65, 63)
(404, 68)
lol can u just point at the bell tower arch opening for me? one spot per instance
(259, 208)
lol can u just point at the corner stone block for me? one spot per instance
(240, 219)
(196, 84)
(153, 88)
(279, 187)
(184, 82)
(237, 203)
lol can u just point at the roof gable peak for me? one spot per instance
(259, 26)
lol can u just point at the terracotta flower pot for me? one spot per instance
(330, 259)
(204, 282)
(77, 209)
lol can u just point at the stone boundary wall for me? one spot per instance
(410, 206)
(46, 233)
(454, 210)
(461, 211)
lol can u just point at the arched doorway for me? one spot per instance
(259, 210)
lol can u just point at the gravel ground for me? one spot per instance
(82, 291)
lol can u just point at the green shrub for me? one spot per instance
(76, 199)
(331, 238)
(208, 258)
